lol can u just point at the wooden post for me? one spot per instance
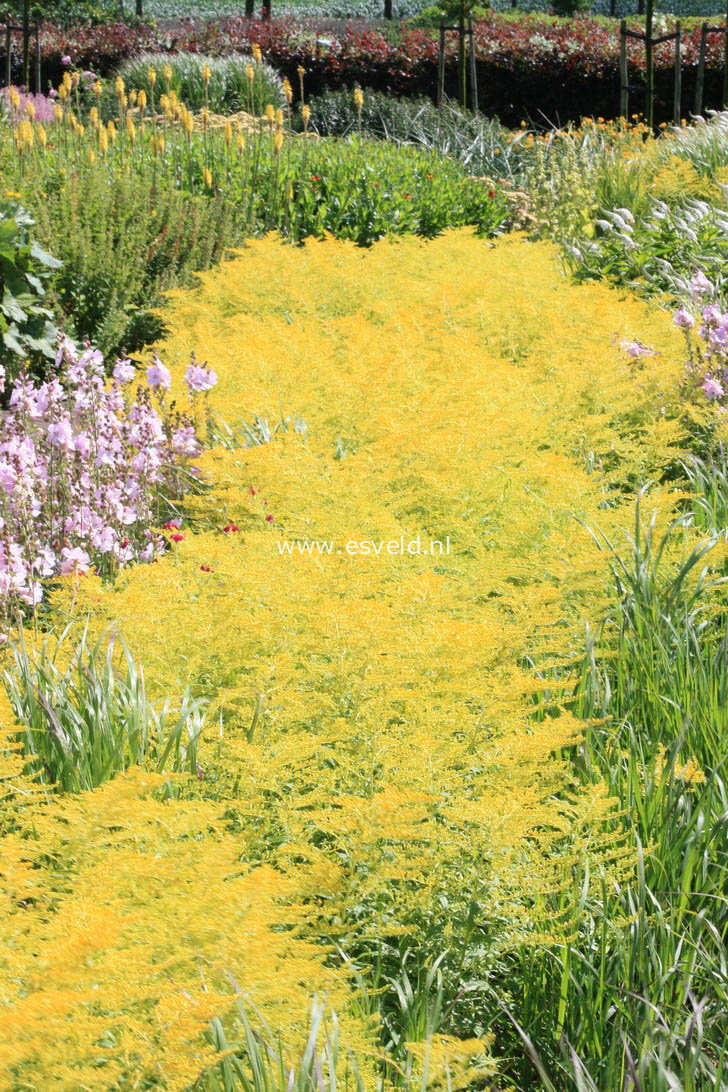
(249, 9)
(37, 58)
(140, 9)
(462, 73)
(650, 66)
(266, 10)
(613, 8)
(8, 66)
(388, 10)
(700, 74)
(473, 69)
(623, 71)
(26, 44)
(441, 67)
(677, 97)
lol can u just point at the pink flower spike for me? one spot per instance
(712, 388)
(269, 519)
(159, 376)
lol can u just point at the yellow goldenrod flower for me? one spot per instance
(41, 134)
(160, 143)
(288, 91)
(58, 112)
(151, 76)
(305, 114)
(250, 73)
(142, 99)
(14, 98)
(167, 73)
(103, 141)
(97, 89)
(279, 117)
(257, 55)
(119, 86)
(91, 156)
(206, 75)
(270, 113)
(358, 98)
(130, 130)
(241, 141)
(278, 141)
(93, 116)
(111, 131)
(207, 178)
(30, 109)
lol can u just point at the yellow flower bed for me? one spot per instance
(372, 743)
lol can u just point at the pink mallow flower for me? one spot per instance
(635, 349)
(684, 319)
(74, 560)
(199, 378)
(158, 375)
(124, 371)
(712, 388)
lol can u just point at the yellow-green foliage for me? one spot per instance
(473, 393)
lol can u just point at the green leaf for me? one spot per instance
(44, 258)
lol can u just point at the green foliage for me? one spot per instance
(570, 7)
(643, 988)
(229, 89)
(256, 1062)
(67, 13)
(448, 12)
(125, 237)
(123, 243)
(87, 717)
(481, 144)
(25, 322)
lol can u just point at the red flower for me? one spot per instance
(230, 528)
(252, 490)
(205, 569)
(491, 194)
(178, 537)
(269, 519)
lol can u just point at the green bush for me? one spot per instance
(26, 326)
(228, 91)
(123, 244)
(430, 18)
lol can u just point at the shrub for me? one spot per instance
(230, 87)
(123, 243)
(86, 716)
(26, 323)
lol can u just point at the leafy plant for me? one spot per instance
(26, 323)
(86, 715)
(234, 82)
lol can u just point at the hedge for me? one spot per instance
(548, 71)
